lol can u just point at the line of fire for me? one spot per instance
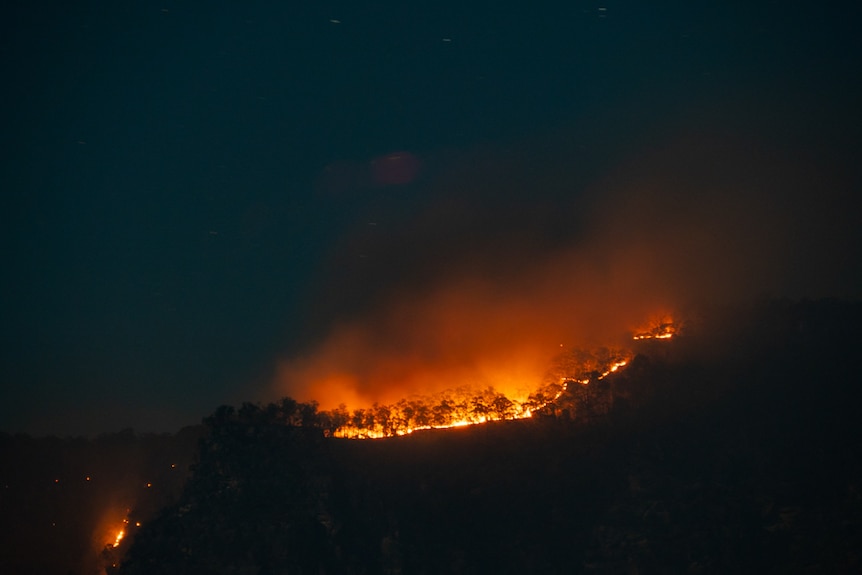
(463, 406)
(450, 409)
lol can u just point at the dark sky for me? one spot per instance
(195, 193)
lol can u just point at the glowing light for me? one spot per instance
(120, 534)
(461, 408)
(664, 328)
(466, 406)
(650, 336)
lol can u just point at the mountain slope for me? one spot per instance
(733, 449)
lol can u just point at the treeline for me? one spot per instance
(461, 406)
(747, 460)
(453, 407)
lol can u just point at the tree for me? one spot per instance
(479, 409)
(421, 413)
(502, 407)
(308, 414)
(289, 413)
(406, 414)
(339, 417)
(441, 414)
(383, 418)
(249, 412)
(357, 420)
(222, 415)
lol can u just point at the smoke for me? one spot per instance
(513, 256)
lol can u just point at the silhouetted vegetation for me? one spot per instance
(735, 448)
(449, 408)
(63, 500)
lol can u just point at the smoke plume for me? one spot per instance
(509, 256)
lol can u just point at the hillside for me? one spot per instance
(65, 501)
(733, 449)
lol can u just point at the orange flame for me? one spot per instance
(461, 410)
(662, 327)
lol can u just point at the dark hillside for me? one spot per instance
(64, 500)
(734, 448)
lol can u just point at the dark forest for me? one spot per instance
(734, 447)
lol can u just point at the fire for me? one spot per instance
(459, 408)
(115, 535)
(661, 328)
(112, 538)
(454, 407)
(121, 533)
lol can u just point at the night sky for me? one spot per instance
(212, 202)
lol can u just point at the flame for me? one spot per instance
(483, 274)
(662, 327)
(116, 535)
(488, 360)
(461, 406)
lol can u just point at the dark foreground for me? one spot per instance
(735, 449)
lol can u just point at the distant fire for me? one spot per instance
(663, 328)
(119, 534)
(458, 408)
(512, 386)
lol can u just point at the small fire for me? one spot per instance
(117, 536)
(663, 328)
(120, 534)
(113, 539)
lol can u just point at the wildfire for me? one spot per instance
(121, 533)
(113, 537)
(461, 416)
(465, 406)
(451, 411)
(663, 328)
(116, 536)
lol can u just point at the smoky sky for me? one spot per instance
(516, 253)
(226, 202)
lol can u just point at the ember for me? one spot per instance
(663, 328)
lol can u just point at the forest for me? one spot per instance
(732, 447)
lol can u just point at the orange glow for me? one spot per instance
(458, 408)
(390, 379)
(660, 327)
(480, 285)
(464, 335)
(114, 530)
